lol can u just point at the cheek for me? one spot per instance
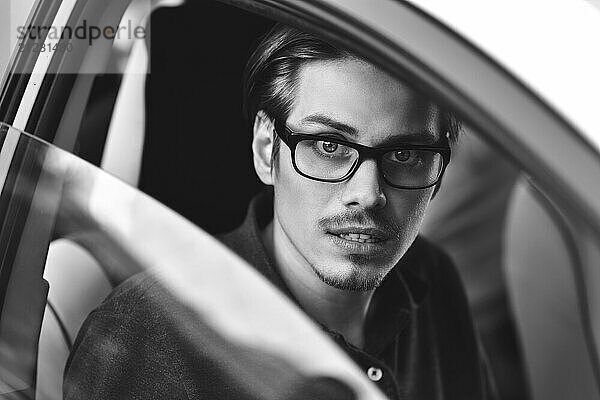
(409, 207)
(298, 200)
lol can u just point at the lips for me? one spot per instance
(360, 234)
(366, 242)
(360, 237)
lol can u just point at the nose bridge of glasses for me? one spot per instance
(364, 185)
(366, 152)
(372, 154)
(371, 164)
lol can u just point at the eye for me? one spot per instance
(403, 155)
(329, 147)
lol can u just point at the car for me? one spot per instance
(153, 110)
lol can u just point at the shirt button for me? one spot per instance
(374, 374)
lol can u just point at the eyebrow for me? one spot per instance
(323, 119)
(425, 137)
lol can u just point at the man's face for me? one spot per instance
(319, 223)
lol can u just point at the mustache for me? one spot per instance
(363, 218)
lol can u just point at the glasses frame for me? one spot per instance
(291, 139)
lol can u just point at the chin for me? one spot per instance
(356, 277)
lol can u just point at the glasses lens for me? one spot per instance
(412, 168)
(325, 160)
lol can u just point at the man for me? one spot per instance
(353, 157)
(344, 215)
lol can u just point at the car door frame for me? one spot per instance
(33, 99)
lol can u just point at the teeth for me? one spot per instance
(359, 237)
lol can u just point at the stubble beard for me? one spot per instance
(359, 280)
(359, 274)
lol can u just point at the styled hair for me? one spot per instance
(272, 73)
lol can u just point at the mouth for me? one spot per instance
(359, 237)
(360, 234)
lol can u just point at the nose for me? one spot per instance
(363, 189)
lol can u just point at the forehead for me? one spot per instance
(377, 106)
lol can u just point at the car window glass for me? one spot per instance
(111, 219)
(468, 217)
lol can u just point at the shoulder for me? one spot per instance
(120, 317)
(125, 342)
(136, 308)
(237, 240)
(131, 322)
(130, 292)
(129, 305)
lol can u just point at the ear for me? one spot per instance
(262, 146)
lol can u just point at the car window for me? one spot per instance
(482, 209)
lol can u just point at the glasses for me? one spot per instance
(330, 159)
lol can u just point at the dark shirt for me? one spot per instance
(419, 331)
(419, 339)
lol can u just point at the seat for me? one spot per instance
(77, 285)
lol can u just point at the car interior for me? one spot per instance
(165, 132)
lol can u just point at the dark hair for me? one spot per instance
(271, 75)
